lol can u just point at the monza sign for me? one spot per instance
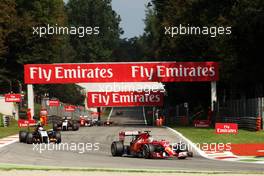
(121, 72)
(115, 99)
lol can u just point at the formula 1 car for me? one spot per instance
(65, 124)
(142, 145)
(84, 121)
(39, 135)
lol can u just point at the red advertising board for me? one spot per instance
(12, 97)
(201, 123)
(70, 108)
(54, 103)
(226, 128)
(26, 123)
(121, 72)
(113, 99)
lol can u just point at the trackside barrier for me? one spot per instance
(6, 121)
(248, 123)
(253, 107)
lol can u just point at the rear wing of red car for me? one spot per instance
(123, 134)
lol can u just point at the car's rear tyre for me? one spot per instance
(117, 148)
(58, 137)
(148, 149)
(29, 138)
(22, 136)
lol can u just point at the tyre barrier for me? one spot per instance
(248, 123)
(6, 121)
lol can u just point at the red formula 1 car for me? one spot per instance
(141, 145)
(84, 121)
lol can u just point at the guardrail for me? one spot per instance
(248, 123)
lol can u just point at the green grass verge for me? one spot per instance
(1, 120)
(8, 167)
(208, 135)
(11, 130)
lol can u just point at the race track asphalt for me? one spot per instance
(102, 137)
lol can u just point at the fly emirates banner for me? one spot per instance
(121, 72)
(115, 99)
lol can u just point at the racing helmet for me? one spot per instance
(40, 128)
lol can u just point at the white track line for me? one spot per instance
(13, 137)
(193, 146)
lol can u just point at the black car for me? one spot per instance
(40, 135)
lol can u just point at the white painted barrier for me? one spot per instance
(7, 108)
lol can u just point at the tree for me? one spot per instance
(71, 94)
(18, 44)
(7, 25)
(238, 53)
(25, 47)
(94, 13)
(129, 50)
